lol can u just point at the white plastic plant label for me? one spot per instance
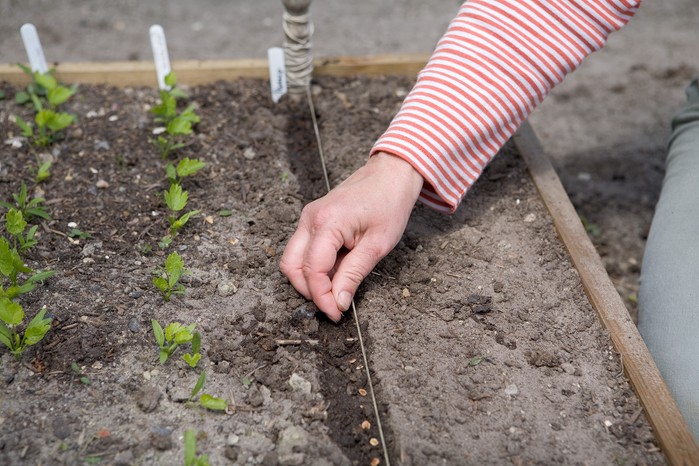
(160, 55)
(277, 72)
(32, 45)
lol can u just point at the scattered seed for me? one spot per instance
(406, 293)
(209, 219)
(375, 462)
(373, 442)
(362, 392)
(366, 425)
(352, 361)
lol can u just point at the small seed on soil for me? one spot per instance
(406, 293)
(366, 425)
(362, 392)
(373, 442)
(375, 462)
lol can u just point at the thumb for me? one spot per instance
(350, 273)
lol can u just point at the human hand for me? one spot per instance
(343, 235)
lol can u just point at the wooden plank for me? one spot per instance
(671, 429)
(193, 72)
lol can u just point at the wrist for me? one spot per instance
(401, 170)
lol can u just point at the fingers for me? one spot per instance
(351, 271)
(291, 264)
(319, 262)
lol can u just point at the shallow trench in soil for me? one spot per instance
(482, 345)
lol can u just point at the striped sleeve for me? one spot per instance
(496, 62)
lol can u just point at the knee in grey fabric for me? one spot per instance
(669, 294)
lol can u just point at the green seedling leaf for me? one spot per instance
(40, 276)
(158, 332)
(2, 95)
(27, 130)
(5, 335)
(164, 355)
(473, 362)
(43, 117)
(171, 173)
(179, 126)
(196, 342)
(225, 213)
(42, 173)
(191, 360)
(75, 233)
(246, 381)
(38, 106)
(198, 386)
(58, 95)
(11, 313)
(176, 225)
(190, 115)
(188, 167)
(184, 335)
(60, 121)
(37, 328)
(161, 284)
(190, 438)
(22, 98)
(178, 93)
(14, 222)
(176, 198)
(45, 80)
(213, 403)
(165, 242)
(174, 266)
(170, 79)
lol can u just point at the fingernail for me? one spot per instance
(344, 299)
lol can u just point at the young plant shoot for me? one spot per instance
(15, 226)
(190, 451)
(11, 266)
(28, 207)
(11, 317)
(168, 280)
(49, 122)
(176, 200)
(175, 124)
(186, 167)
(205, 400)
(174, 335)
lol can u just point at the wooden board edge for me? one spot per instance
(671, 429)
(194, 72)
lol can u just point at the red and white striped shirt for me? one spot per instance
(494, 65)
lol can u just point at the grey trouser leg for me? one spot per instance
(669, 295)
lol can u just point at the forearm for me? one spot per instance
(495, 64)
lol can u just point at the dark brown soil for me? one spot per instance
(483, 347)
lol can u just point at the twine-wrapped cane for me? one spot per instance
(298, 30)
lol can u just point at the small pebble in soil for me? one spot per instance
(148, 398)
(568, 368)
(366, 425)
(249, 153)
(135, 294)
(134, 325)
(226, 288)
(102, 145)
(299, 384)
(511, 390)
(61, 428)
(161, 438)
(102, 184)
(530, 218)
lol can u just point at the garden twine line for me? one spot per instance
(316, 130)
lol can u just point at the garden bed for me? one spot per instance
(481, 341)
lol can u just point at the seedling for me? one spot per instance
(168, 281)
(15, 225)
(11, 316)
(29, 208)
(186, 167)
(175, 334)
(190, 451)
(76, 233)
(193, 358)
(205, 400)
(49, 121)
(79, 373)
(42, 172)
(11, 266)
(176, 200)
(175, 124)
